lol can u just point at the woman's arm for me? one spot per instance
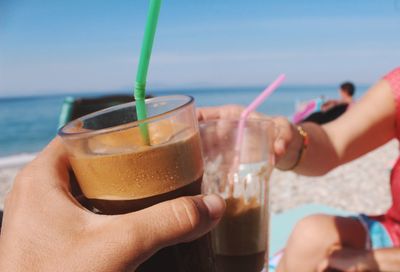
(367, 125)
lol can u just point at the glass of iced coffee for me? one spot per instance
(240, 240)
(119, 171)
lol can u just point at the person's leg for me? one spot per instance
(315, 236)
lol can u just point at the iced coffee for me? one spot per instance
(118, 172)
(240, 240)
(124, 182)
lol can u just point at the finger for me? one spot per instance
(279, 143)
(50, 166)
(219, 112)
(207, 113)
(45, 179)
(284, 135)
(171, 222)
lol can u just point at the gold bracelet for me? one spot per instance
(304, 145)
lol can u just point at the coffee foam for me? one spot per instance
(131, 139)
(140, 171)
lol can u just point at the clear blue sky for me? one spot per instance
(49, 46)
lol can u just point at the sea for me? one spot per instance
(27, 124)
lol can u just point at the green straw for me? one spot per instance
(143, 67)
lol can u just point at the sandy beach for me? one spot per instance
(359, 186)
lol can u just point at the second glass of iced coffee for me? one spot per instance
(119, 171)
(240, 240)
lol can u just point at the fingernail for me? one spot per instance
(215, 205)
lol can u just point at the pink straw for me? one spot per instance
(243, 117)
(252, 107)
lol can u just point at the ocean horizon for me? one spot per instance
(29, 122)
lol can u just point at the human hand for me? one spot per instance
(287, 140)
(287, 145)
(223, 112)
(46, 229)
(349, 260)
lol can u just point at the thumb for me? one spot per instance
(283, 134)
(176, 221)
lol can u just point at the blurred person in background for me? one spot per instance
(332, 109)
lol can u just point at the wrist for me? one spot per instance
(295, 150)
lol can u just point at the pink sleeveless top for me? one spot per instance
(391, 220)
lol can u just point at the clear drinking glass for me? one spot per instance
(240, 241)
(119, 173)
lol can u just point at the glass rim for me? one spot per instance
(188, 100)
(267, 120)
